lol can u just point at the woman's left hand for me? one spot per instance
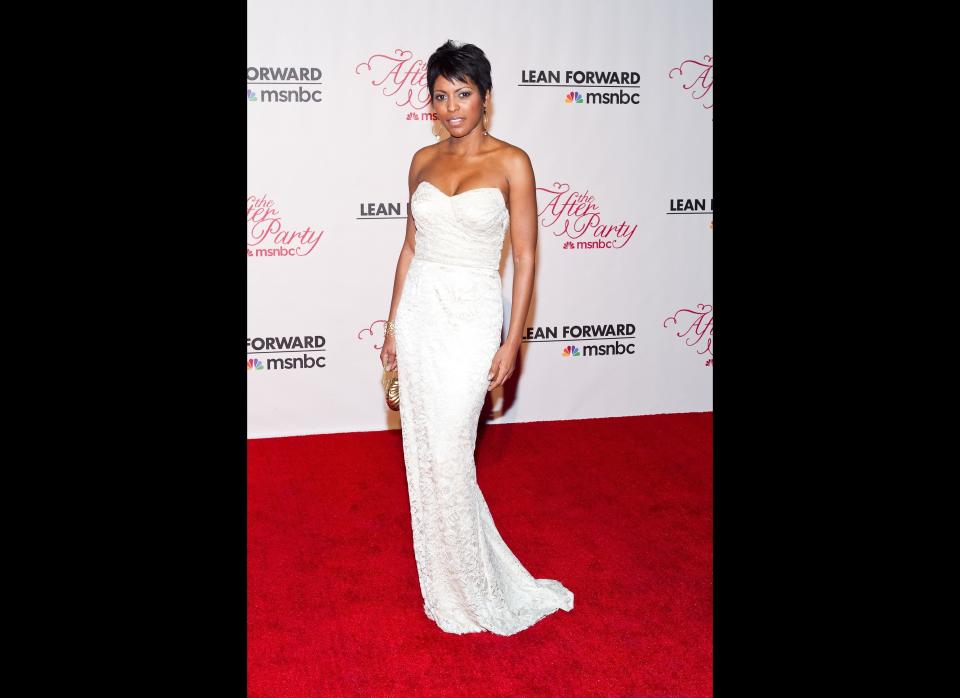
(502, 365)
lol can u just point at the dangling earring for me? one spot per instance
(485, 122)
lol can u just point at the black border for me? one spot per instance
(166, 446)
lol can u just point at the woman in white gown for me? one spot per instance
(443, 337)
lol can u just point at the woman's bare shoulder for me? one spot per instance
(509, 154)
(512, 160)
(430, 147)
(423, 156)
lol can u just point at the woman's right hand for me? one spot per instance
(388, 355)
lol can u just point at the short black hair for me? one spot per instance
(458, 63)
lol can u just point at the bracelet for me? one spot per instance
(391, 329)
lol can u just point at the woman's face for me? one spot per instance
(458, 105)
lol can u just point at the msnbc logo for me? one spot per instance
(573, 97)
(571, 351)
(254, 365)
(251, 95)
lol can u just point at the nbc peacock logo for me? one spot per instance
(573, 98)
(251, 95)
(254, 365)
(571, 350)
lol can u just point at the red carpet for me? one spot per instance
(619, 510)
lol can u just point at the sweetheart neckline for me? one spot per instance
(453, 196)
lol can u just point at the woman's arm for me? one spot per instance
(523, 244)
(388, 356)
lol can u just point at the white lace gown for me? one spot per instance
(448, 328)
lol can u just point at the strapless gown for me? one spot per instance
(448, 328)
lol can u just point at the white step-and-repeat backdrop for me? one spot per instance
(612, 101)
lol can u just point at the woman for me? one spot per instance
(443, 337)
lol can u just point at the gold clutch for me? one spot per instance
(392, 391)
